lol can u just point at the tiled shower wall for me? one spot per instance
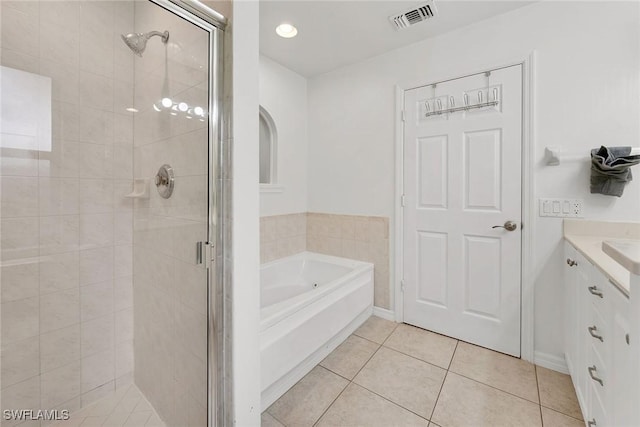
(66, 241)
(363, 238)
(170, 289)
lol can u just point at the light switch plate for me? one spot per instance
(561, 208)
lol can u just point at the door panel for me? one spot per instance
(462, 176)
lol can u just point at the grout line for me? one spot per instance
(416, 358)
(535, 371)
(273, 416)
(495, 388)
(391, 401)
(331, 404)
(435, 404)
(560, 412)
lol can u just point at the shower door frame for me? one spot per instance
(219, 405)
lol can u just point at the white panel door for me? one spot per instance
(462, 176)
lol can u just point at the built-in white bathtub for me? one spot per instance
(310, 303)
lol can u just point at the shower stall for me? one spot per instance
(111, 213)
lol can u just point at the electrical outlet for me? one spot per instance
(561, 208)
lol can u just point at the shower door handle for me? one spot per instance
(509, 226)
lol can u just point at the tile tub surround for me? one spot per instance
(363, 238)
(391, 381)
(66, 242)
(282, 235)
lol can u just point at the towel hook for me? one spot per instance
(452, 102)
(439, 106)
(427, 107)
(480, 97)
(466, 100)
(495, 94)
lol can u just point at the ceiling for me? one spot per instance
(335, 33)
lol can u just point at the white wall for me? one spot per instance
(586, 94)
(245, 213)
(283, 93)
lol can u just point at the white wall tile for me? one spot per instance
(18, 196)
(123, 261)
(96, 196)
(59, 272)
(123, 293)
(97, 335)
(124, 325)
(124, 358)
(24, 395)
(62, 161)
(59, 234)
(20, 360)
(96, 126)
(19, 279)
(18, 162)
(60, 385)
(96, 300)
(96, 265)
(59, 347)
(97, 370)
(59, 309)
(19, 320)
(58, 196)
(15, 24)
(96, 230)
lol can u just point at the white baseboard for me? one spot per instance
(550, 361)
(384, 313)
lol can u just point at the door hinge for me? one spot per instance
(204, 252)
(402, 116)
(402, 285)
(402, 200)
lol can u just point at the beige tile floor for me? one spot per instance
(127, 407)
(389, 374)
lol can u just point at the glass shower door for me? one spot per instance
(171, 151)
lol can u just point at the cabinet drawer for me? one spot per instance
(597, 331)
(597, 378)
(597, 416)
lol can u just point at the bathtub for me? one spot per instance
(310, 303)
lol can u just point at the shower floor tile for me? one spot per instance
(126, 407)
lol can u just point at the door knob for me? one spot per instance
(509, 226)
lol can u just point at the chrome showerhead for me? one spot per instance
(137, 42)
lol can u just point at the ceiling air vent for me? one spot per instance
(414, 15)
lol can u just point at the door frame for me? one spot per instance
(527, 296)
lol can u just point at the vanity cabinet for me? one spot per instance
(597, 349)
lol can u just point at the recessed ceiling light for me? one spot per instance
(286, 30)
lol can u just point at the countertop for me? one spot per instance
(588, 238)
(625, 252)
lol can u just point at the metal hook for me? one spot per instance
(495, 94)
(452, 102)
(439, 106)
(479, 97)
(466, 100)
(427, 107)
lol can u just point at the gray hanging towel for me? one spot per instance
(610, 169)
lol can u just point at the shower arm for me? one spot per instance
(164, 36)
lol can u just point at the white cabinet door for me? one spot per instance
(621, 402)
(462, 175)
(571, 308)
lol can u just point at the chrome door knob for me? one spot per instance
(509, 226)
